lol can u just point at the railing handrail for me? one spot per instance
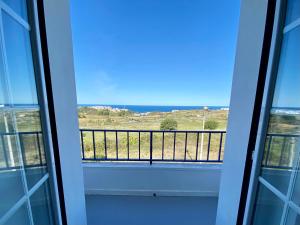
(158, 131)
(282, 135)
(143, 130)
(20, 132)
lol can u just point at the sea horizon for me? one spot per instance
(154, 108)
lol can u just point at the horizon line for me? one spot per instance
(149, 105)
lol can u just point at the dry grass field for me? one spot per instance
(191, 120)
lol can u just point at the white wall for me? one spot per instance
(245, 77)
(146, 180)
(123, 193)
(58, 28)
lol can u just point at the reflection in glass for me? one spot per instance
(287, 95)
(293, 11)
(18, 6)
(292, 218)
(23, 88)
(22, 153)
(33, 157)
(11, 182)
(282, 141)
(268, 208)
(42, 211)
(19, 60)
(296, 189)
(31, 143)
(20, 217)
(3, 90)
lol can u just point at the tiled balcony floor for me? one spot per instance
(143, 210)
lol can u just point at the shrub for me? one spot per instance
(168, 124)
(103, 112)
(211, 125)
(125, 113)
(81, 115)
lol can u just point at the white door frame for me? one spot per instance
(266, 106)
(249, 51)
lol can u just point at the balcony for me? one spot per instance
(158, 177)
(163, 176)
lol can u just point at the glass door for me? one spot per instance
(26, 193)
(277, 198)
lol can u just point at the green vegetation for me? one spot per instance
(91, 118)
(284, 124)
(168, 124)
(186, 119)
(29, 120)
(211, 125)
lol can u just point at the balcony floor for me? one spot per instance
(146, 210)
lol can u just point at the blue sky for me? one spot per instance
(154, 52)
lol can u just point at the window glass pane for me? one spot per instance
(3, 90)
(31, 143)
(19, 60)
(296, 189)
(282, 142)
(21, 137)
(42, 211)
(293, 218)
(23, 89)
(268, 208)
(18, 6)
(293, 11)
(11, 182)
(20, 217)
(33, 157)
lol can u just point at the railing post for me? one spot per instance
(151, 146)
(39, 148)
(82, 144)
(22, 146)
(268, 150)
(282, 152)
(4, 151)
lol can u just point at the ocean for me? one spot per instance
(155, 108)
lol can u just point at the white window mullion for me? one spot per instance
(17, 18)
(291, 26)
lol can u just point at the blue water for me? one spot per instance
(155, 108)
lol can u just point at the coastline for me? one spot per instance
(150, 108)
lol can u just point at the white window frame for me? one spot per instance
(250, 41)
(43, 107)
(60, 55)
(279, 30)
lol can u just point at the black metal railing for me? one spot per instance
(152, 145)
(145, 145)
(31, 145)
(280, 150)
